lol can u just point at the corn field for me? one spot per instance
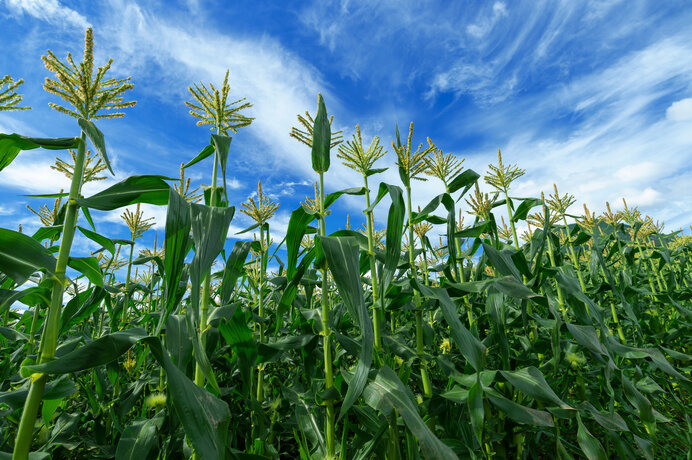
(572, 339)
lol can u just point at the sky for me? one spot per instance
(594, 96)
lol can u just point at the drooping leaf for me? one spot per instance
(47, 232)
(589, 445)
(134, 189)
(531, 382)
(97, 140)
(476, 410)
(209, 230)
(106, 243)
(471, 348)
(89, 267)
(519, 413)
(464, 180)
(523, 209)
(12, 144)
(204, 417)
(92, 354)
(178, 341)
(342, 255)
(21, 256)
(222, 145)
(239, 336)
(386, 392)
(234, 269)
(176, 245)
(139, 438)
(206, 152)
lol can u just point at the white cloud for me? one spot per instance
(31, 173)
(647, 170)
(233, 184)
(680, 110)
(277, 82)
(485, 24)
(50, 11)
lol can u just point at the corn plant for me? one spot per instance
(431, 338)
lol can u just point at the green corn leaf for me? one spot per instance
(35, 295)
(502, 261)
(638, 400)
(531, 382)
(512, 287)
(87, 216)
(89, 267)
(476, 410)
(658, 359)
(12, 144)
(321, 138)
(471, 348)
(222, 145)
(239, 336)
(386, 392)
(523, 209)
(306, 419)
(457, 394)
(206, 152)
(139, 438)
(589, 445)
(297, 227)
(57, 389)
(204, 417)
(51, 232)
(519, 413)
(21, 256)
(106, 243)
(394, 234)
(474, 231)
(209, 230)
(271, 351)
(92, 354)
(342, 255)
(176, 246)
(234, 269)
(373, 171)
(464, 180)
(610, 421)
(80, 308)
(178, 341)
(134, 189)
(96, 138)
(331, 198)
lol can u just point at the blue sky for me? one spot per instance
(595, 96)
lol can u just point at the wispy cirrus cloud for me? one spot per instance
(51, 11)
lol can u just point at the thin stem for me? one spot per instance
(260, 369)
(206, 287)
(420, 344)
(573, 256)
(51, 327)
(326, 331)
(511, 221)
(126, 302)
(377, 314)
